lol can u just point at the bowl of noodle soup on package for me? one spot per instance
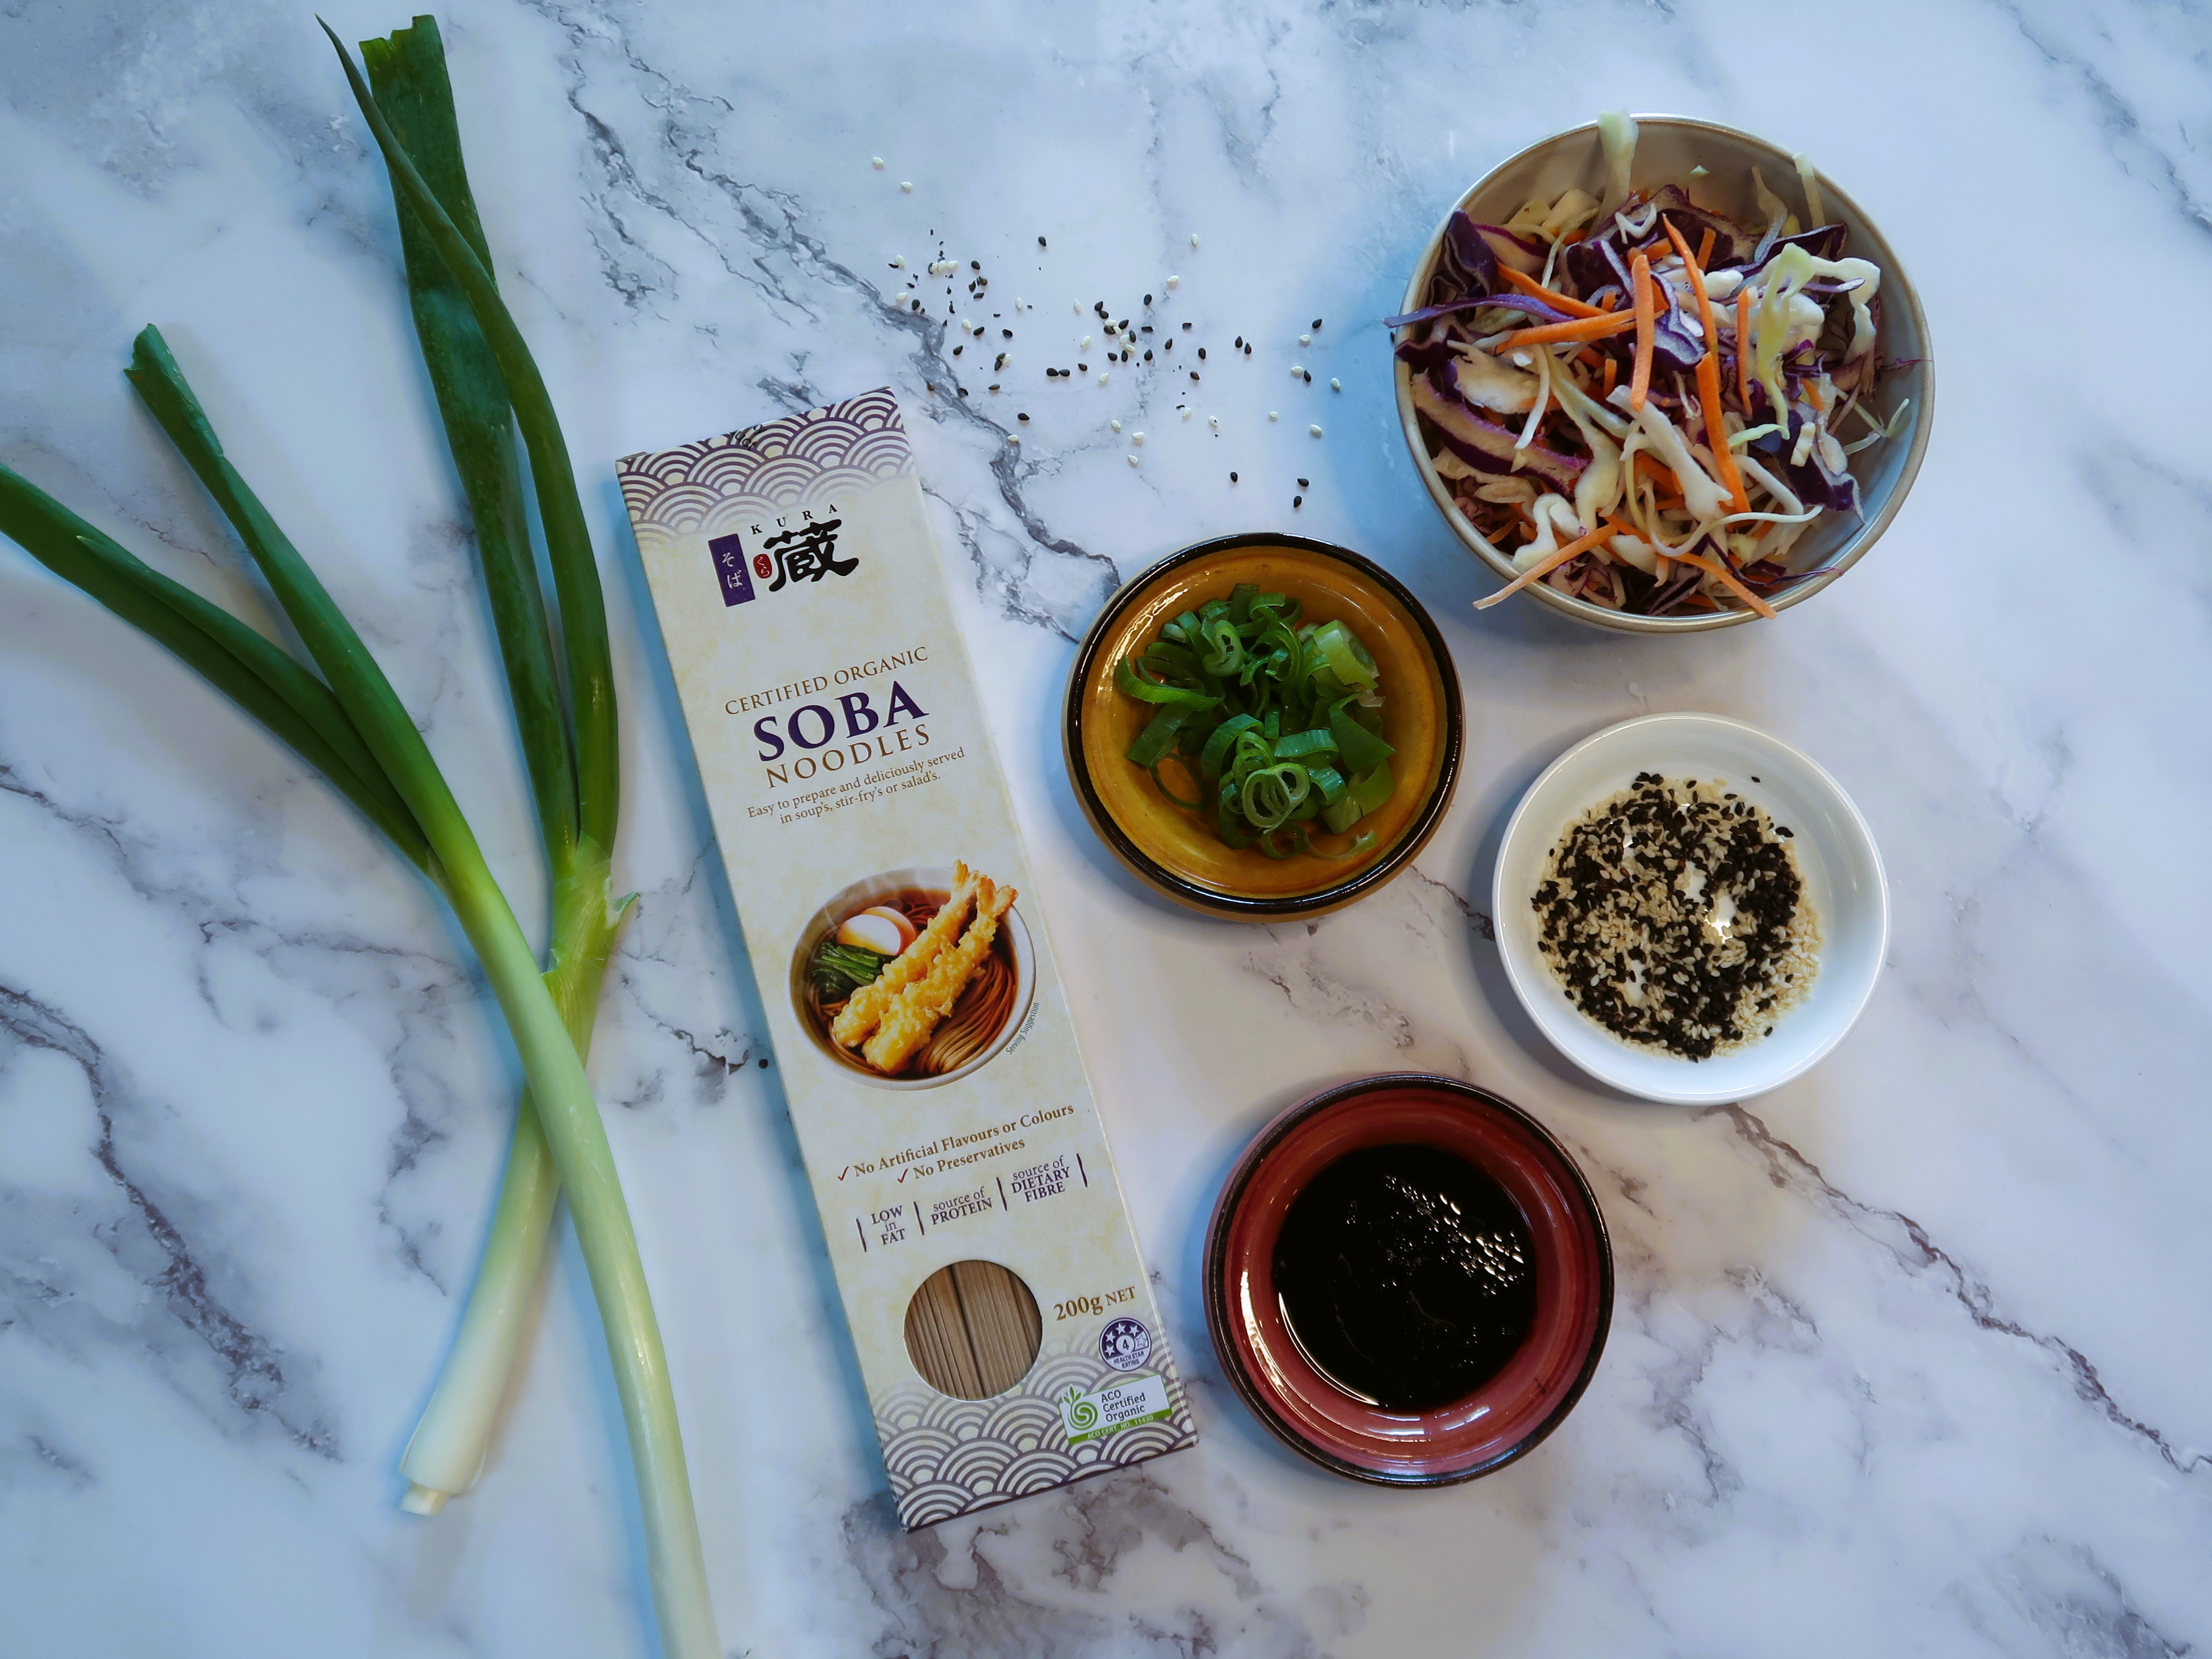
(912, 978)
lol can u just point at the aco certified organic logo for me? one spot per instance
(798, 547)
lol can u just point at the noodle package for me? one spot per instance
(1006, 1328)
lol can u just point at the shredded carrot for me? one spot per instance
(1812, 397)
(1662, 475)
(1639, 381)
(1589, 358)
(1743, 349)
(1535, 290)
(1582, 328)
(1705, 246)
(1612, 299)
(1544, 568)
(1611, 374)
(1669, 504)
(1716, 568)
(1709, 374)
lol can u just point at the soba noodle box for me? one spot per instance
(1006, 1328)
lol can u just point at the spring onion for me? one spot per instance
(1278, 723)
(348, 723)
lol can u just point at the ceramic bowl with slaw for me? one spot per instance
(1715, 164)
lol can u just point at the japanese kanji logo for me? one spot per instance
(806, 552)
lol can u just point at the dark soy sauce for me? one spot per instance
(1407, 1276)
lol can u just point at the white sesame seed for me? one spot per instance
(1137, 439)
(1103, 377)
(1193, 239)
(1186, 413)
(1117, 425)
(1013, 437)
(898, 262)
(1336, 385)
(907, 184)
(1079, 308)
(1132, 460)
(1305, 339)
(1173, 281)
(1214, 421)
(1313, 431)
(1272, 415)
(876, 161)
(1084, 344)
(1297, 371)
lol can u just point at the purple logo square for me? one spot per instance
(729, 555)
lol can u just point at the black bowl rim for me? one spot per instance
(1217, 1307)
(1239, 906)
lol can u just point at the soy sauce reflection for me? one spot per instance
(1407, 1276)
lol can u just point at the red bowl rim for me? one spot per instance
(1262, 1400)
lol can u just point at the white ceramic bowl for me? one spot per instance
(858, 897)
(1835, 851)
(1666, 147)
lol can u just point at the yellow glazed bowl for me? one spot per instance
(1176, 850)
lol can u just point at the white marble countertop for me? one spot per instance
(1907, 1358)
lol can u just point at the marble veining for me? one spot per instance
(1906, 1358)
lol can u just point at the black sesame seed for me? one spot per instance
(963, 391)
(1305, 484)
(1040, 244)
(1193, 374)
(994, 386)
(1185, 328)
(1024, 417)
(916, 304)
(977, 264)
(1201, 354)
(1317, 324)
(956, 351)
(1148, 356)
(1145, 329)
(1248, 351)
(1240, 340)
(1297, 501)
(1148, 298)
(1082, 369)
(1232, 477)
(1308, 374)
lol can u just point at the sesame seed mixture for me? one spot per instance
(1674, 914)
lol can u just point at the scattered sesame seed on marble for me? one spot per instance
(1117, 425)
(1021, 418)
(1336, 385)
(1309, 377)
(1317, 324)
(1175, 282)
(1137, 439)
(1103, 376)
(1132, 460)
(907, 184)
(1232, 477)
(1305, 339)
(1313, 431)
(1296, 371)
(1193, 239)
(1040, 242)
(877, 162)
(1297, 501)
(1084, 344)
(1214, 421)
(898, 262)
(1272, 415)
(1079, 308)
(1186, 409)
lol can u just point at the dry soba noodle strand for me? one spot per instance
(868, 1004)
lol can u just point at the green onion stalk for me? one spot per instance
(347, 722)
(407, 74)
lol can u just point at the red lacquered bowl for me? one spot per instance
(1510, 1414)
